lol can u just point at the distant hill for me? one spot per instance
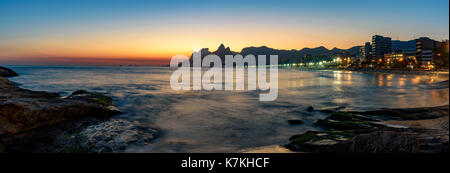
(354, 50)
(304, 55)
(398, 45)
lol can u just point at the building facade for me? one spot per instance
(366, 52)
(380, 46)
(401, 56)
(425, 50)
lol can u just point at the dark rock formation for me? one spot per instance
(408, 114)
(112, 135)
(385, 142)
(23, 110)
(34, 119)
(295, 122)
(79, 92)
(6, 72)
(347, 121)
(364, 132)
(320, 142)
(221, 52)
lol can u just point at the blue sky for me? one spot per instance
(138, 28)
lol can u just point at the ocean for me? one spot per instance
(232, 121)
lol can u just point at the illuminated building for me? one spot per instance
(380, 46)
(366, 52)
(400, 56)
(425, 50)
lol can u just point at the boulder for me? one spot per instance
(6, 72)
(365, 132)
(115, 135)
(347, 121)
(295, 122)
(320, 142)
(385, 142)
(25, 113)
(104, 101)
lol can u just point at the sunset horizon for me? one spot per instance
(108, 30)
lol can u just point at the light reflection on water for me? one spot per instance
(228, 121)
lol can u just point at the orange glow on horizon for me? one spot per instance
(166, 43)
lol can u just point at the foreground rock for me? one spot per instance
(24, 110)
(33, 121)
(295, 122)
(383, 131)
(112, 135)
(6, 72)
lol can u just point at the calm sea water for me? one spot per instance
(229, 121)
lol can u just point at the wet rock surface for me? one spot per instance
(295, 122)
(24, 110)
(35, 121)
(367, 132)
(113, 135)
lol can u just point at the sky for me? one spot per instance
(138, 31)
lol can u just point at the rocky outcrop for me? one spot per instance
(295, 122)
(88, 136)
(114, 135)
(374, 132)
(385, 141)
(34, 119)
(6, 72)
(23, 110)
(221, 52)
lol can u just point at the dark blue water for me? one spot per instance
(230, 121)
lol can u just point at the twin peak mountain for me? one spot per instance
(284, 56)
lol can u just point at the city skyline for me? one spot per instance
(44, 32)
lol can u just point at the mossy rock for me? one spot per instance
(94, 97)
(325, 141)
(347, 125)
(305, 137)
(348, 121)
(102, 99)
(313, 136)
(345, 116)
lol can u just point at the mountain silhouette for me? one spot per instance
(284, 56)
(398, 45)
(221, 52)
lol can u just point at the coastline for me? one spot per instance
(397, 71)
(379, 70)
